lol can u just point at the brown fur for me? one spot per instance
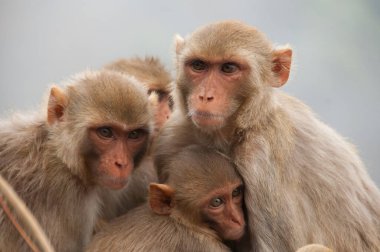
(44, 158)
(304, 182)
(178, 225)
(149, 71)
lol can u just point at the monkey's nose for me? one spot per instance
(206, 99)
(120, 164)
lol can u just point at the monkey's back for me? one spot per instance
(142, 230)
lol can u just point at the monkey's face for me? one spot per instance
(222, 210)
(114, 152)
(212, 89)
(222, 66)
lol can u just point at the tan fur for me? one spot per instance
(153, 75)
(198, 171)
(44, 163)
(149, 71)
(304, 182)
(314, 248)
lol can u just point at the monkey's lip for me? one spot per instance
(115, 184)
(203, 118)
(236, 235)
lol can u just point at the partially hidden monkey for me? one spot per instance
(92, 134)
(198, 208)
(303, 182)
(151, 73)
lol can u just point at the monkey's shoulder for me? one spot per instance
(22, 139)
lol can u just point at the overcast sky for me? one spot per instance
(336, 45)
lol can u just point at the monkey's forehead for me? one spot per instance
(226, 38)
(111, 96)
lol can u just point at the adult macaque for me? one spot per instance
(303, 182)
(199, 207)
(153, 75)
(150, 72)
(93, 134)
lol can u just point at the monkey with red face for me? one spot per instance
(93, 134)
(198, 208)
(303, 182)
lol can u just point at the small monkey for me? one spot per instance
(304, 183)
(199, 207)
(157, 80)
(93, 133)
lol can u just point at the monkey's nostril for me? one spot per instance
(119, 165)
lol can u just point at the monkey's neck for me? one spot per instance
(221, 139)
(196, 226)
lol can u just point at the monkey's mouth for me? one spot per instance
(234, 235)
(204, 118)
(114, 183)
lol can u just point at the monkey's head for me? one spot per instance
(99, 126)
(203, 189)
(149, 71)
(222, 67)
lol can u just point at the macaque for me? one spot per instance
(198, 208)
(93, 133)
(304, 183)
(153, 75)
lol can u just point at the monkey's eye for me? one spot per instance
(198, 65)
(171, 102)
(161, 95)
(135, 134)
(229, 67)
(237, 192)
(216, 202)
(105, 132)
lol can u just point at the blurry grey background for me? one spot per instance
(336, 45)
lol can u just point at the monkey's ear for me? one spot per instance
(56, 105)
(179, 43)
(282, 60)
(161, 198)
(153, 98)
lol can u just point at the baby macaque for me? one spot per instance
(199, 207)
